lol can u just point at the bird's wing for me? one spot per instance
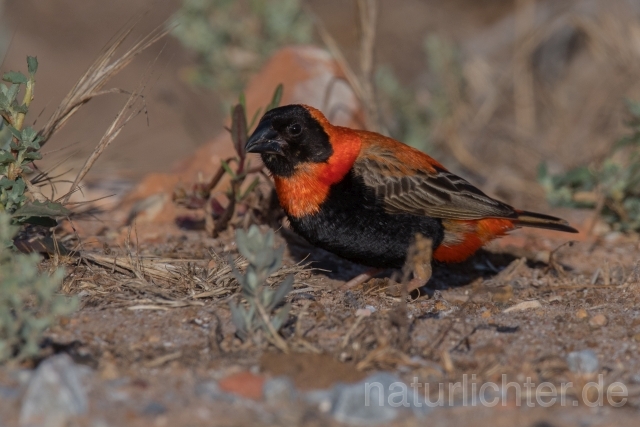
(409, 181)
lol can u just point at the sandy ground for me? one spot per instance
(159, 344)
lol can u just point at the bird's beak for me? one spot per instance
(265, 140)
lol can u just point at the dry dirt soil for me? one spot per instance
(153, 343)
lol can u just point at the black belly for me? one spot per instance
(354, 225)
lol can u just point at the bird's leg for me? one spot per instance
(418, 262)
(361, 278)
(421, 275)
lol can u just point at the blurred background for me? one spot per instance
(497, 90)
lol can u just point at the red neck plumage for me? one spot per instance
(302, 193)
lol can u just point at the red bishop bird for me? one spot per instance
(364, 196)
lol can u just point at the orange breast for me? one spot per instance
(302, 194)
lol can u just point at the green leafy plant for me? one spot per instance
(232, 38)
(612, 186)
(19, 149)
(22, 147)
(238, 168)
(28, 300)
(260, 312)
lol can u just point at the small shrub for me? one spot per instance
(613, 186)
(22, 148)
(19, 148)
(238, 168)
(28, 300)
(232, 38)
(260, 313)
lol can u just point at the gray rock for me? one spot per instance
(380, 398)
(278, 390)
(211, 390)
(323, 399)
(154, 409)
(54, 394)
(583, 361)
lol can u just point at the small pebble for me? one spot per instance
(364, 312)
(245, 384)
(154, 409)
(453, 298)
(581, 314)
(583, 361)
(211, 391)
(322, 398)
(440, 306)
(598, 321)
(278, 390)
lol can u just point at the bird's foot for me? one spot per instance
(416, 283)
(421, 276)
(361, 278)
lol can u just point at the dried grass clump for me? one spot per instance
(160, 282)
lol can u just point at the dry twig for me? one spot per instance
(368, 14)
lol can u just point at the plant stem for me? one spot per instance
(28, 97)
(277, 340)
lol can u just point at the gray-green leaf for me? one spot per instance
(15, 77)
(32, 64)
(47, 209)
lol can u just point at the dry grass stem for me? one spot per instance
(164, 282)
(125, 115)
(99, 73)
(336, 52)
(523, 85)
(273, 334)
(368, 14)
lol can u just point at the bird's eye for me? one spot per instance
(295, 129)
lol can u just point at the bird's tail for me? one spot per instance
(532, 219)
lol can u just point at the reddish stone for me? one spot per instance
(243, 384)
